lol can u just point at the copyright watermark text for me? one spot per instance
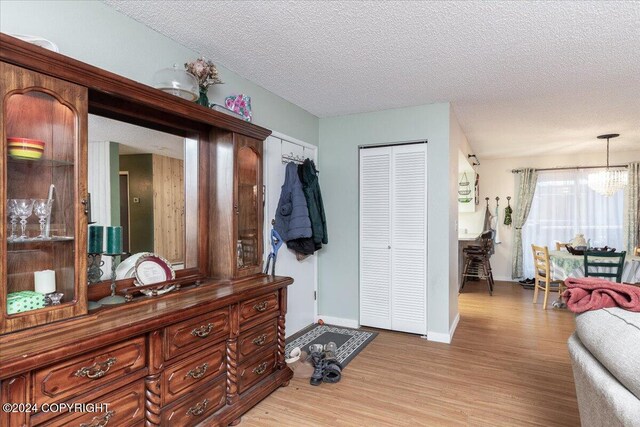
(54, 407)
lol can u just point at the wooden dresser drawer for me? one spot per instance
(196, 406)
(254, 370)
(182, 377)
(81, 373)
(257, 308)
(255, 339)
(124, 407)
(196, 332)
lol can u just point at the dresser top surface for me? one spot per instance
(23, 350)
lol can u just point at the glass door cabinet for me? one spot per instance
(44, 194)
(248, 202)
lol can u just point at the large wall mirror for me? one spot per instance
(145, 181)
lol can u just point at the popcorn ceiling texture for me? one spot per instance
(523, 77)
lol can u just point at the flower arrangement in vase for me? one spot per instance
(207, 75)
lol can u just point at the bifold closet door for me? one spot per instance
(409, 239)
(393, 238)
(375, 237)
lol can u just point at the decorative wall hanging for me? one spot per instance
(240, 104)
(464, 189)
(508, 211)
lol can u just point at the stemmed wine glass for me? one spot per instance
(24, 209)
(11, 210)
(42, 209)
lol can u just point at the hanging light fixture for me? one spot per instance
(608, 181)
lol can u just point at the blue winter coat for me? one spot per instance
(292, 215)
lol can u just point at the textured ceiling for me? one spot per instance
(524, 77)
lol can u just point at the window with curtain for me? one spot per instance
(564, 205)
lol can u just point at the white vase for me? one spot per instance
(578, 241)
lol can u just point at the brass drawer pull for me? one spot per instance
(260, 340)
(261, 369)
(198, 409)
(203, 331)
(100, 421)
(197, 372)
(261, 306)
(97, 370)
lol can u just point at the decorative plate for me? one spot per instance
(127, 268)
(151, 268)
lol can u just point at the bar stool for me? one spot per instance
(477, 260)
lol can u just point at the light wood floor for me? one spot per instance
(508, 365)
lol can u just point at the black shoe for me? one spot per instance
(318, 368)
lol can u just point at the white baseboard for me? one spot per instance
(444, 338)
(338, 321)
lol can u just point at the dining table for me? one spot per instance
(565, 265)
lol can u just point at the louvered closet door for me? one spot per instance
(375, 237)
(409, 239)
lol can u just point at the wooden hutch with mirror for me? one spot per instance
(182, 182)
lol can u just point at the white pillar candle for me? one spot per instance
(45, 281)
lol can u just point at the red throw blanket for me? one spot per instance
(591, 293)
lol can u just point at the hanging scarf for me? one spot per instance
(507, 215)
(496, 239)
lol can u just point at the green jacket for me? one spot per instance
(309, 177)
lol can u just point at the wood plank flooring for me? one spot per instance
(508, 365)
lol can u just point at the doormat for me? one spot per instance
(349, 341)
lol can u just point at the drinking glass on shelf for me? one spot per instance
(24, 209)
(42, 209)
(11, 210)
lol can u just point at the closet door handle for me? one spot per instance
(389, 247)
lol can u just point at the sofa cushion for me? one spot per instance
(602, 400)
(612, 335)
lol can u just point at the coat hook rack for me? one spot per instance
(286, 158)
(487, 200)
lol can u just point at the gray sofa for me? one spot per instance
(605, 354)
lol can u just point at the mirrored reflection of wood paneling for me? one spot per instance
(168, 208)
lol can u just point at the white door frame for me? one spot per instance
(267, 225)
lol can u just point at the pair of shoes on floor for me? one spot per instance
(527, 281)
(326, 367)
(300, 363)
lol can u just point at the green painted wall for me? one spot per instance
(95, 33)
(140, 168)
(338, 261)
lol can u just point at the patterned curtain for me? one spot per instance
(526, 189)
(632, 219)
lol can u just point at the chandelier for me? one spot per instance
(608, 181)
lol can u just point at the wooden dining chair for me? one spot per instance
(542, 277)
(561, 245)
(636, 251)
(614, 267)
